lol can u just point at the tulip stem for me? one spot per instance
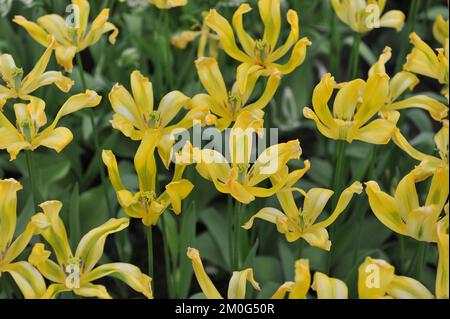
(237, 225)
(32, 177)
(167, 259)
(335, 49)
(96, 139)
(421, 259)
(354, 57)
(150, 250)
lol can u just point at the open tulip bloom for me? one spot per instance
(325, 287)
(261, 52)
(295, 222)
(71, 36)
(76, 272)
(18, 86)
(361, 17)
(377, 279)
(228, 105)
(28, 279)
(425, 61)
(31, 117)
(135, 114)
(146, 204)
(239, 177)
(403, 214)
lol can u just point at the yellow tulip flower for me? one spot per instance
(324, 286)
(145, 204)
(403, 214)
(168, 4)
(441, 30)
(424, 61)
(261, 52)
(21, 87)
(76, 272)
(295, 222)
(207, 38)
(228, 105)
(30, 118)
(356, 103)
(27, 278)
(240, 178)
(135, 113)
(377, 279)
(398, 84)
(72, 35)
(428, 163)
(238, 282)
(364, 16)
(443, 248)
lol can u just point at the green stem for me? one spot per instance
(150, 250)
(167, 260)
(421, 260)
(96, 140)
(32, 177)
(335, 51)
(237, 225)
(230, 232)
(354, 57)
(410, 27)
(401, 241)
(338, 182)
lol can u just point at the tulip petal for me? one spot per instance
(244, 38)
(329, 288)
(27, 278)
(297, 58)
(170, 106)
(8, 213)
(238, 283)
(437, 110)
(91, 246)
(203, 279)
(33, 29)
(267, 213)
(129, 274)
(292, 19)
(408, 288)
(89, 290)
(393, 19)
(271, 17)
(376, 132)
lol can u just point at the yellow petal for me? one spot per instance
(203, 279)
(393, 19)
(8, 207)
(212, 80)
(441, 29)
(385, 208)
(268, 94)
(89, 290)
(121, 123)
(170, 106)
(408, 288)
(400, 83)
(19, 245)
(267, 213)
(328, 132)
(182, 39)
(442, 276)
(56, 139)
(223, 29)
(238, 283)
(348, 99)
(8, 69)
(52, 228)
(422, 59)
(177, 191)
(27, 278)
(168, 4)
(315, 201)
(375, 276)
(321, 95)
(421, 223)
(329, 288)
(292, 19)
(142, 90)
(39, 258)
(91, 246)
(54, 290)
(376, 132)
(56, 26)
(344, 200)
(33, 29)
(297, 58)
(437, 110)
(144, 162)
(302, 281)
(439, 188)
(317, 237)
(99, 27)
(283, 290)
(129, 274)
(109, 159)
(406, 195)
(244, 38)
(271, 17)
(82, 17)
(65, 55)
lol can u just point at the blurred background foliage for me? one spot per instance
(144, 43)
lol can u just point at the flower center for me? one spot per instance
(242, 172)
(26, 127)
(154, 120)
(235, 102)
(262, 51)
(147, 198)
(17, 75)
(73, 273)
